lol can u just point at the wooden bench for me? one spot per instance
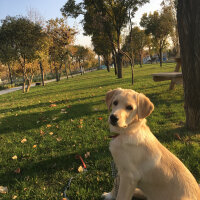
(175, 77)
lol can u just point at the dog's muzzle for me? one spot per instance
(113, 120)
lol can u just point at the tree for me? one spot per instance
(62, 36)
(112, 17)
(189, 36)
(159, 26)
(135, 43)
(103, 48)
(24, 37)
(80, 56)
(7, 50)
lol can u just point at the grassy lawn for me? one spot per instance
(68, 118)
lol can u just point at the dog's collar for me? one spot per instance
(113, 136)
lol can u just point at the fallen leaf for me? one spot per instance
(17, 171)
(80, 126)
(58, 139)
(178, 136)
(51, 133)
(100, 118)
(42, 132)
(53, 105)
(14, 157)
(3, 190)
(87, 155)
(63, 110)
(48, 125)
(55, 118)
(57, 126)
(24, 140)
(14, 197)
(34, 146)
(80, 169)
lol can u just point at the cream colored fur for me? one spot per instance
(143, 162)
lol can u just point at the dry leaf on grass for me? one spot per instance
(24, 140)
(53, 105)
(48, 125)
(14, 197)
(51, 133)
(178, 136)
(100, 118)
(63, 110)
(17, 171)
(42, 132)
(34, 146)
(14, 157)
(80, 169)
(3, 190)
(87, 155)
(58, 139)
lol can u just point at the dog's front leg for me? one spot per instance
(127, 187)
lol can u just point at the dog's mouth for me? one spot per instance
(115, 124)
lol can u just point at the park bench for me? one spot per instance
(175, 77)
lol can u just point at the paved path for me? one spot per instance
(6, 91)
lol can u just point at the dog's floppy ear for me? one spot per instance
(145, 106)
(110, 96)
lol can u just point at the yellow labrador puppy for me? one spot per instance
(142, 161)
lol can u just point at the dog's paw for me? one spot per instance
(107, 196)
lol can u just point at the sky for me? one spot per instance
(49, 9)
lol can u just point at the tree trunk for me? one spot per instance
(119, 64)
(57, 74)
(107, 65)
(10, 74)
(66, 69)
(70, 71)
(42, 73)
(28, 85)
(141, 62)
(24, 75)
(114, 62)
(189, 36)
(161, 56)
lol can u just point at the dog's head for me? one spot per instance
(127, 106)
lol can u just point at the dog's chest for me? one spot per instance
(126, 152)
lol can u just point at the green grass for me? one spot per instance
(46, 169)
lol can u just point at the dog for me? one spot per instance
(145, 166)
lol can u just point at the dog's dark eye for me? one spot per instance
(129, 107)
(115, 103)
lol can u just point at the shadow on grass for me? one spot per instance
(24, 122)
(67, 163)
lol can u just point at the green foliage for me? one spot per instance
(105, 17)
(82, 127)
(136, 41)
(158, 25)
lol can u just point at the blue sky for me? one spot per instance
(51, 9)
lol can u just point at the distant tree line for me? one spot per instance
(28, 48)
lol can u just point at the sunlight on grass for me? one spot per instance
(76, 124)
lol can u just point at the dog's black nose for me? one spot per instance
(113, 119)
